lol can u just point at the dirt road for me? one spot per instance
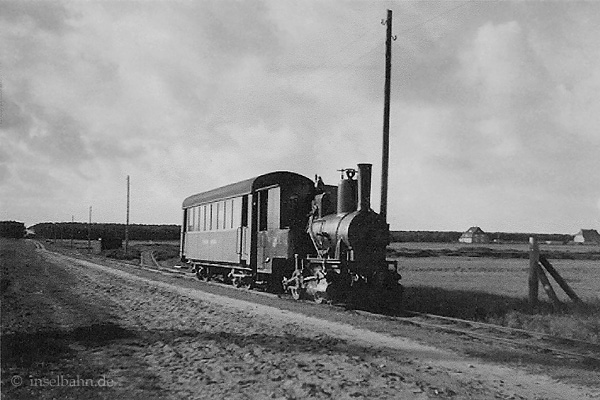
(72, 329)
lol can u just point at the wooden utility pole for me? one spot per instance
(386, 117)
(127, 222)
(90, 231)
(72, 223)
(534, 259)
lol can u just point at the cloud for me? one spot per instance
(490, 106)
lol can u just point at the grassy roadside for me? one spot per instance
(571, 321)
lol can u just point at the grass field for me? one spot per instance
(575, 248)
(505, 277)
(495, 290)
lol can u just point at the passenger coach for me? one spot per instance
(248, 231)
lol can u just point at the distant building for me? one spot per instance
(587, 236)
(474, 235)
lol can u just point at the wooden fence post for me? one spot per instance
(561, 282)
(548, 288)
(534, 258)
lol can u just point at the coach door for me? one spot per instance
(262, 214)
(243, 241)
(267, 205)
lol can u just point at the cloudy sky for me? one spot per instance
(495, 114)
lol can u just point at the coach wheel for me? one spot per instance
(238, 282)
(202, 274)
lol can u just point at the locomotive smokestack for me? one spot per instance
(364, 187)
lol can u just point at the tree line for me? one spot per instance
(451, 237)
(12, 229)
(79, 230)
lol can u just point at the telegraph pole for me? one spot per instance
(127, 223)
(386, 117)
(72, 225)
(89, 231)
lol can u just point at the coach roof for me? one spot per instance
(281, 178)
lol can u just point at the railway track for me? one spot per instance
(560, 347)
(147, 259)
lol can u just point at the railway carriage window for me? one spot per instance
(292, 213)
(201, 218)
(245, 210)
(274, 218)
(224, 215)
(189, 219)
(218, 214)
(194, 227)
(263, 202)
(211, 218)
(236, 212)
(221, 214)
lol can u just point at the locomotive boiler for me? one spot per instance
(350, 242)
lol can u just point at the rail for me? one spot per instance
(566, 347)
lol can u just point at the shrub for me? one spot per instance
(119, 254)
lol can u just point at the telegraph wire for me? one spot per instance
(344, 48)
(435, 17)
(382, 43)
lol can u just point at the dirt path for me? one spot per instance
(155, 339)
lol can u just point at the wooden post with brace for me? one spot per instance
(561, 282)
(548, 288)
(534, 258)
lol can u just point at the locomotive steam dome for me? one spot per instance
(347, 192)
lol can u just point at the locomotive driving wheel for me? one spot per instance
(295, 292)
(316, 285)
(294, 285)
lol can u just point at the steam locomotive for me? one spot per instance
(290, 234)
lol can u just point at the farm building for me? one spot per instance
(474, 235)
(588, 236)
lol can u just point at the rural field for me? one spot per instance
(500, 276)
(566, 248)
(489, 283)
